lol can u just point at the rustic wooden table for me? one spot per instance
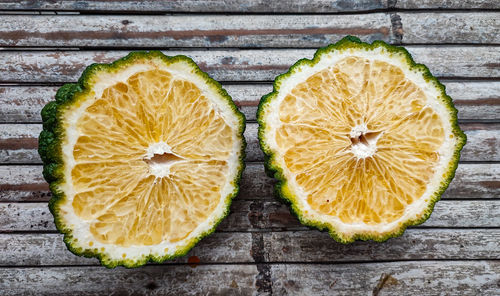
(260, 248)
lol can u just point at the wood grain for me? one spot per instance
(49, 249)
(88, 31)
(41, 249)
(477, 181)
(240, 6)
(481, 27)
(226, 279)
(425, 244)
(91, 31)
(392, 278)
(18, 143)
(262, 215)
(238, 65)
(475, 100)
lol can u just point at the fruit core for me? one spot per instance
(160, 158)
(363, 142)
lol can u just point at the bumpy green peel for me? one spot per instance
(53, 133)
(282, 189)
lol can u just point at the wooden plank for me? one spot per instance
(87, 31)
(295, 6)
(266, 215)
(391, 278)
(31, 249)
(473, 99)
(467, 27)
(449, 4)
(300, 6)
(394, 278)
(238, 65)
(478, 181)
(160, 279)
(40, 249)
(422, 244)
(18, 143)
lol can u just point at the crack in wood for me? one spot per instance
(385, 280)
(263, 279)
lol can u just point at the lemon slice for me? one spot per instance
(143, 157)
(362, 140)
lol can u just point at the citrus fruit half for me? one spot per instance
(143, 157)
(362, 140)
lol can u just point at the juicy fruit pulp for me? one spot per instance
(143, 157)
(157, 140)
(362, 142)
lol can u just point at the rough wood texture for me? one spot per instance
(18, 143)
(448, 4)
(392, 278)
(240, 65)
(49, 249)
(242, 30)
(473, 99)
(477, 181)
(197, 31)
(267, 215)
(478, 27)
(315, 246)
(39, 249)
(290, 6)
(158, 280)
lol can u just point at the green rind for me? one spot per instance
(53, 133)
(281, 186)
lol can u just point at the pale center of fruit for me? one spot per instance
(160, 158)
(363, 142)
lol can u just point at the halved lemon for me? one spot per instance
(362, 140)
(143, 157)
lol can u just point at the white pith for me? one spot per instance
(160, 170)
(414, 211)
(81, 228)
(362, 150)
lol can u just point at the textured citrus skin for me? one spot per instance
(282, 189)
(53, 133)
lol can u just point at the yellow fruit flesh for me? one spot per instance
(360, 140)
(118, 186)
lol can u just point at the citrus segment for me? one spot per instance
(361, 138)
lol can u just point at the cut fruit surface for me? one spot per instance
(363, 140)
(143, 157)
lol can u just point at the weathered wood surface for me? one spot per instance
(473, 99)
(262, 215)
(195, 31)
(19, 142)
(393, 278)
(243, 30)
(20, 183)
(226, 279)
(425, 244)
(49, 249)
(387, 278)
(238, 65)
(289, 6)
(40, 249)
